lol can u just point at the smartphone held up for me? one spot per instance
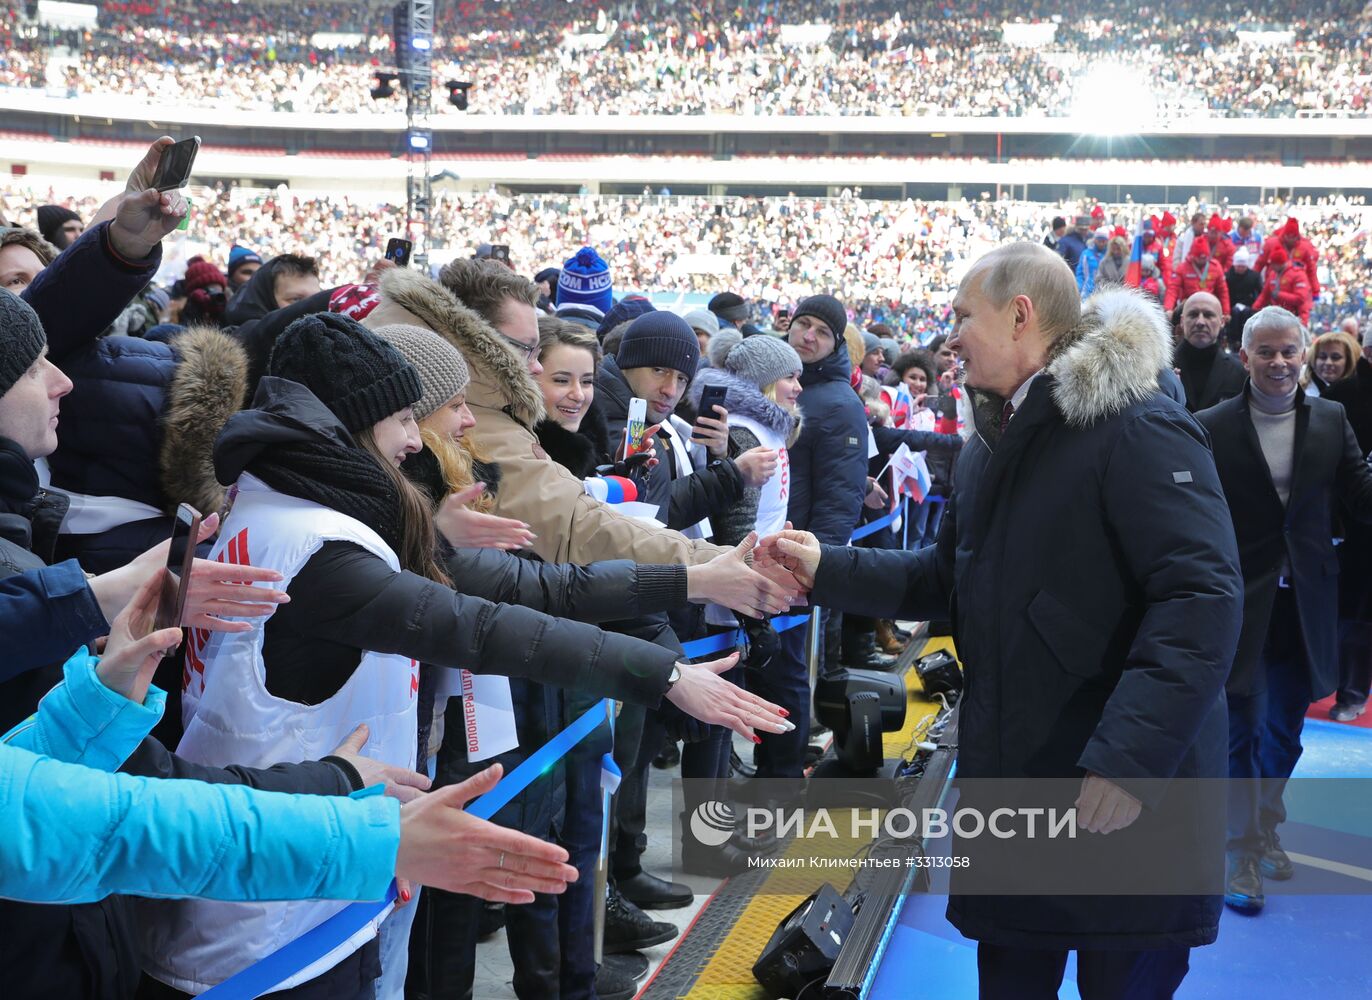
(175, 165)
(171, 607)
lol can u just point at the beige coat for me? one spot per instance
(571, 526)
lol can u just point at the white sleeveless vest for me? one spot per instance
(771, 503)
(230, 718)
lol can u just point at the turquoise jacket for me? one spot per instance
(76, 833)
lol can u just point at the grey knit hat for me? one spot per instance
(703, 319)
(442, 369)
(21, 339)
(762, 360)
(720, 346)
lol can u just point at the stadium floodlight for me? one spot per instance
(1096, 101)
(420, 139)
(457, 93)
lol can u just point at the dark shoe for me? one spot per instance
(611, 985)
(668, 757)
(1243, 886)
(868, 657)
(1347, 713)
(627, 928)
(1275, 863)
(764, 843)
(714, 862)
(491, 920)
(631, 965)
(652, 893)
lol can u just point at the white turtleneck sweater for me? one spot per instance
(1274, 418)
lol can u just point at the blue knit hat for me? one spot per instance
(241, 255)
(659, 340)
(623, 311)
(585, 280)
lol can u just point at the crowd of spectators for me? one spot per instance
(877, 59)
(892, 262)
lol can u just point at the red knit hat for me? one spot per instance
(1277, 257)
(201, 274)
(1220, 224)
(1169, 221)
(1200, 247)
(1292, 228)
(1098, 212)
(1119, 231)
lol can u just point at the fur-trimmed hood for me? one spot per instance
(499, 379)
(1112, 357)
(746, 400)
(209, 386)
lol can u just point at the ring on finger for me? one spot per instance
(500, 862)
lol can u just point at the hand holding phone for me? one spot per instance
(636, 427)
(177, 161)
(711, 427)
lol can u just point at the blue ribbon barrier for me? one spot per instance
(728, 640)
(310, 947)
(879, 523)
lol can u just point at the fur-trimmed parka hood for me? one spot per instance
(1112, 357)
(746, 399)
(209, 386)
(499, 379)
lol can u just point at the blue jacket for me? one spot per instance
(47, 611)
(1087, 266)
(829, 459)
(167, 838)
(1070, 248)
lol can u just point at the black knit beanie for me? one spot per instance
(828, 310)
(21, 339)
(52, 218)
(351, 370)
(659, 340)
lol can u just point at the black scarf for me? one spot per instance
(1195, 364)
(344, 479)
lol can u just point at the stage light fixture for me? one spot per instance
(383, 88)
(457, 93)
(860, 705)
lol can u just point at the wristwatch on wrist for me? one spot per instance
(674, 676)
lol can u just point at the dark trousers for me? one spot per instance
(1036, 974)
(1355, 661)
(1265, 731)
(579, 834)
(350, 979)
(785, 681)
(530, 929)
(638, 735)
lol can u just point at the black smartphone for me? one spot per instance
(500, 252)
(710, 397)
(175, 582)
(398, 251)
(174, 168)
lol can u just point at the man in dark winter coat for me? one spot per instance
(1071, 246)
(1245, 285)
(1283, 515)
(657, 359)
(1355, 555)
(1208, 374)
(1096, 627)
(283, 281)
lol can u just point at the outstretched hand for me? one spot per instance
(789, 554)
(443, 846)
(727, 579)
(465, 528)
(401, 783)
(700, 692)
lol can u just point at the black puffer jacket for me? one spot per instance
(829, 459)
